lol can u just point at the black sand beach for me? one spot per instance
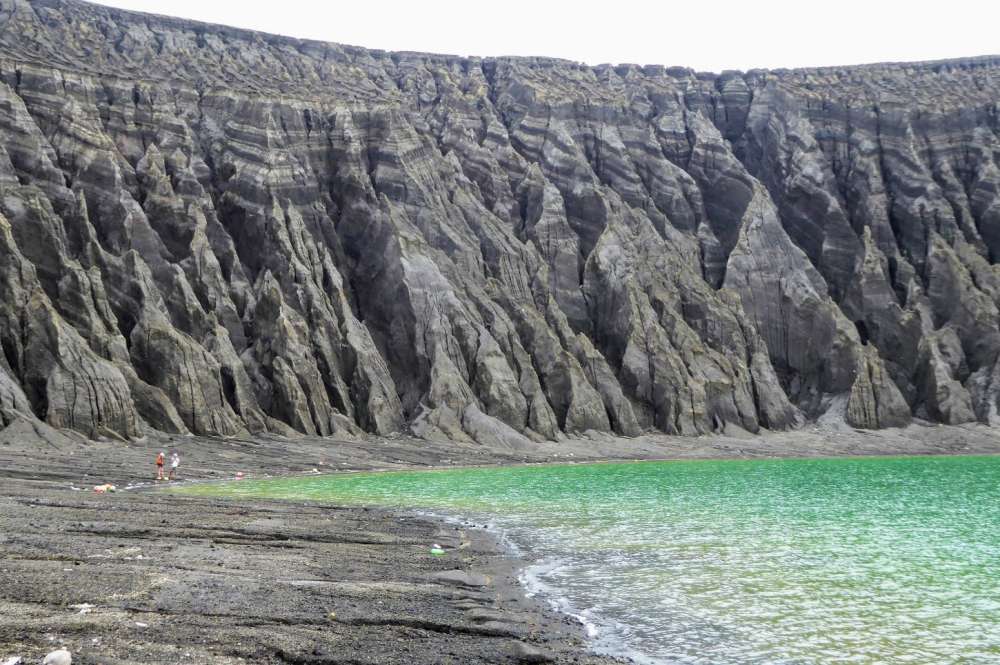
(140, 576)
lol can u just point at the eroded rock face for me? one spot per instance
(214, 231)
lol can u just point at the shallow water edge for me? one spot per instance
(741, 561)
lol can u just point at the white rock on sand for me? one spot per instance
(58, 657)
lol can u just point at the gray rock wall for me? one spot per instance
(215, 231)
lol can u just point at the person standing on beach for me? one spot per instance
(175, 461)
(159, 466)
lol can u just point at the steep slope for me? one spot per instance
(215, 231)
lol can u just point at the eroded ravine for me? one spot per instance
(214, 231)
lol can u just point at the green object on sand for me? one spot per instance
(436, 551)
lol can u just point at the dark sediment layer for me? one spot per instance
(215, 231)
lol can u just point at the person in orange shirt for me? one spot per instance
(159, 466)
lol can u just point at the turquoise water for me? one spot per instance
(887, 560)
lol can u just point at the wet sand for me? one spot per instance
(141, 576)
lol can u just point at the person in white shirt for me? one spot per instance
(175, 461)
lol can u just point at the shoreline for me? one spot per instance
(157, 573)
(152, 486)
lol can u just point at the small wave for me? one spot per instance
(605, 635)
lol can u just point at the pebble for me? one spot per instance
(58, 657)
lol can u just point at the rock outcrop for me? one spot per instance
(222, 232)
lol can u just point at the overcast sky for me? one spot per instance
(710, 35)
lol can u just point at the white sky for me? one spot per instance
(710, 35)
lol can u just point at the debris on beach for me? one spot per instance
(437, 550)
(106, 487)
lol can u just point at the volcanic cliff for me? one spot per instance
(216, 231)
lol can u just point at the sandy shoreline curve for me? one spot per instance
(160, 577)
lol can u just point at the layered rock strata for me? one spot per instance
(222, 232)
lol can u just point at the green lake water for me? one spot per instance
(875, 560)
